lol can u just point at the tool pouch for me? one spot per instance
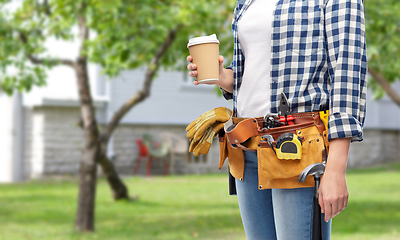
(273, 170)
(223, 150)
(246, 134)
(235, 157)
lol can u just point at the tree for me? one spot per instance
(116, 34)
(383, 43)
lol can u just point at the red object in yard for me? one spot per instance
(144, 153)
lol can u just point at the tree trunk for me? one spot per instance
(118, 188)
(90, 152)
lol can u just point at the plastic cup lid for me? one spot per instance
(204, 39)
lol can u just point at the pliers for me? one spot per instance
(285, 114)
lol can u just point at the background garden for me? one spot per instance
(184, 207)
(120, 35)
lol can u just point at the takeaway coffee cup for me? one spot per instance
(205, 53)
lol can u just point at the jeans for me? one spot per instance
(275, 214)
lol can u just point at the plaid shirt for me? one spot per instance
(318, 56)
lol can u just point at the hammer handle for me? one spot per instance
(317, 230)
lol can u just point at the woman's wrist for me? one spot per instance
(338, 155)
(226, 80)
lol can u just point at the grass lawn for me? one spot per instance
(184, 207)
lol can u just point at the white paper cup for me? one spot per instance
(205, 53)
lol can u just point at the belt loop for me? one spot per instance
(317, 123)
(316, 118)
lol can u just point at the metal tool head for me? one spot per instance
(271, 120)
(284, 108)
(268, 138)
(315, 169)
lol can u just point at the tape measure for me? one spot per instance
(289, 146)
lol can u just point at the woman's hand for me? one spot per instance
(192, 68)
(333, 193)
(225, 79)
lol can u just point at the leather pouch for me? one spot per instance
(223, 150)
(235, 157)
(271, 169)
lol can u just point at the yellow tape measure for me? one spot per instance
(289, 146)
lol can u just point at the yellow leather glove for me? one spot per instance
(198, 127)
(203, 145)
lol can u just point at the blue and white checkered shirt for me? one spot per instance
(318, 56)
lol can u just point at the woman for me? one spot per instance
(314, 51)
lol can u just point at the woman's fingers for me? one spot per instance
(193, 73)
(221, 59)
(332, 206)
(192, 68)
(321, 202)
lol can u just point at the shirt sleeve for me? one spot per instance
(347, 63)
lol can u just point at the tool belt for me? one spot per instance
(283, 152)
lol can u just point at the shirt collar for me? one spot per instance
(243, 8)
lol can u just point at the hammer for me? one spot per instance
(316, 170)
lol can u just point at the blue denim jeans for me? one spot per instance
(275, 214)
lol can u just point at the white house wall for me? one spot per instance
(61, 81)
(53, 141)
(172, 100)
(383, 113)
(11, 138)
(5, 138)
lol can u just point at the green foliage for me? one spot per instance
(382, 20)
(124, 34)
(130, 36)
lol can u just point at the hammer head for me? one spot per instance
(315, 169)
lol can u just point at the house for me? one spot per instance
(39, 134)
(49, 139)
(381, 133)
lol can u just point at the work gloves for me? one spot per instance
(202, 130)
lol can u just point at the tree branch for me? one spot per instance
(47, 9)
(385, 85)
(83, 31)
(38, 61)
(53, 61)
(145, 91)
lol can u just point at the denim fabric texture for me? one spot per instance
(275, 214)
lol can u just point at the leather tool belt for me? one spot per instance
(248, 134)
